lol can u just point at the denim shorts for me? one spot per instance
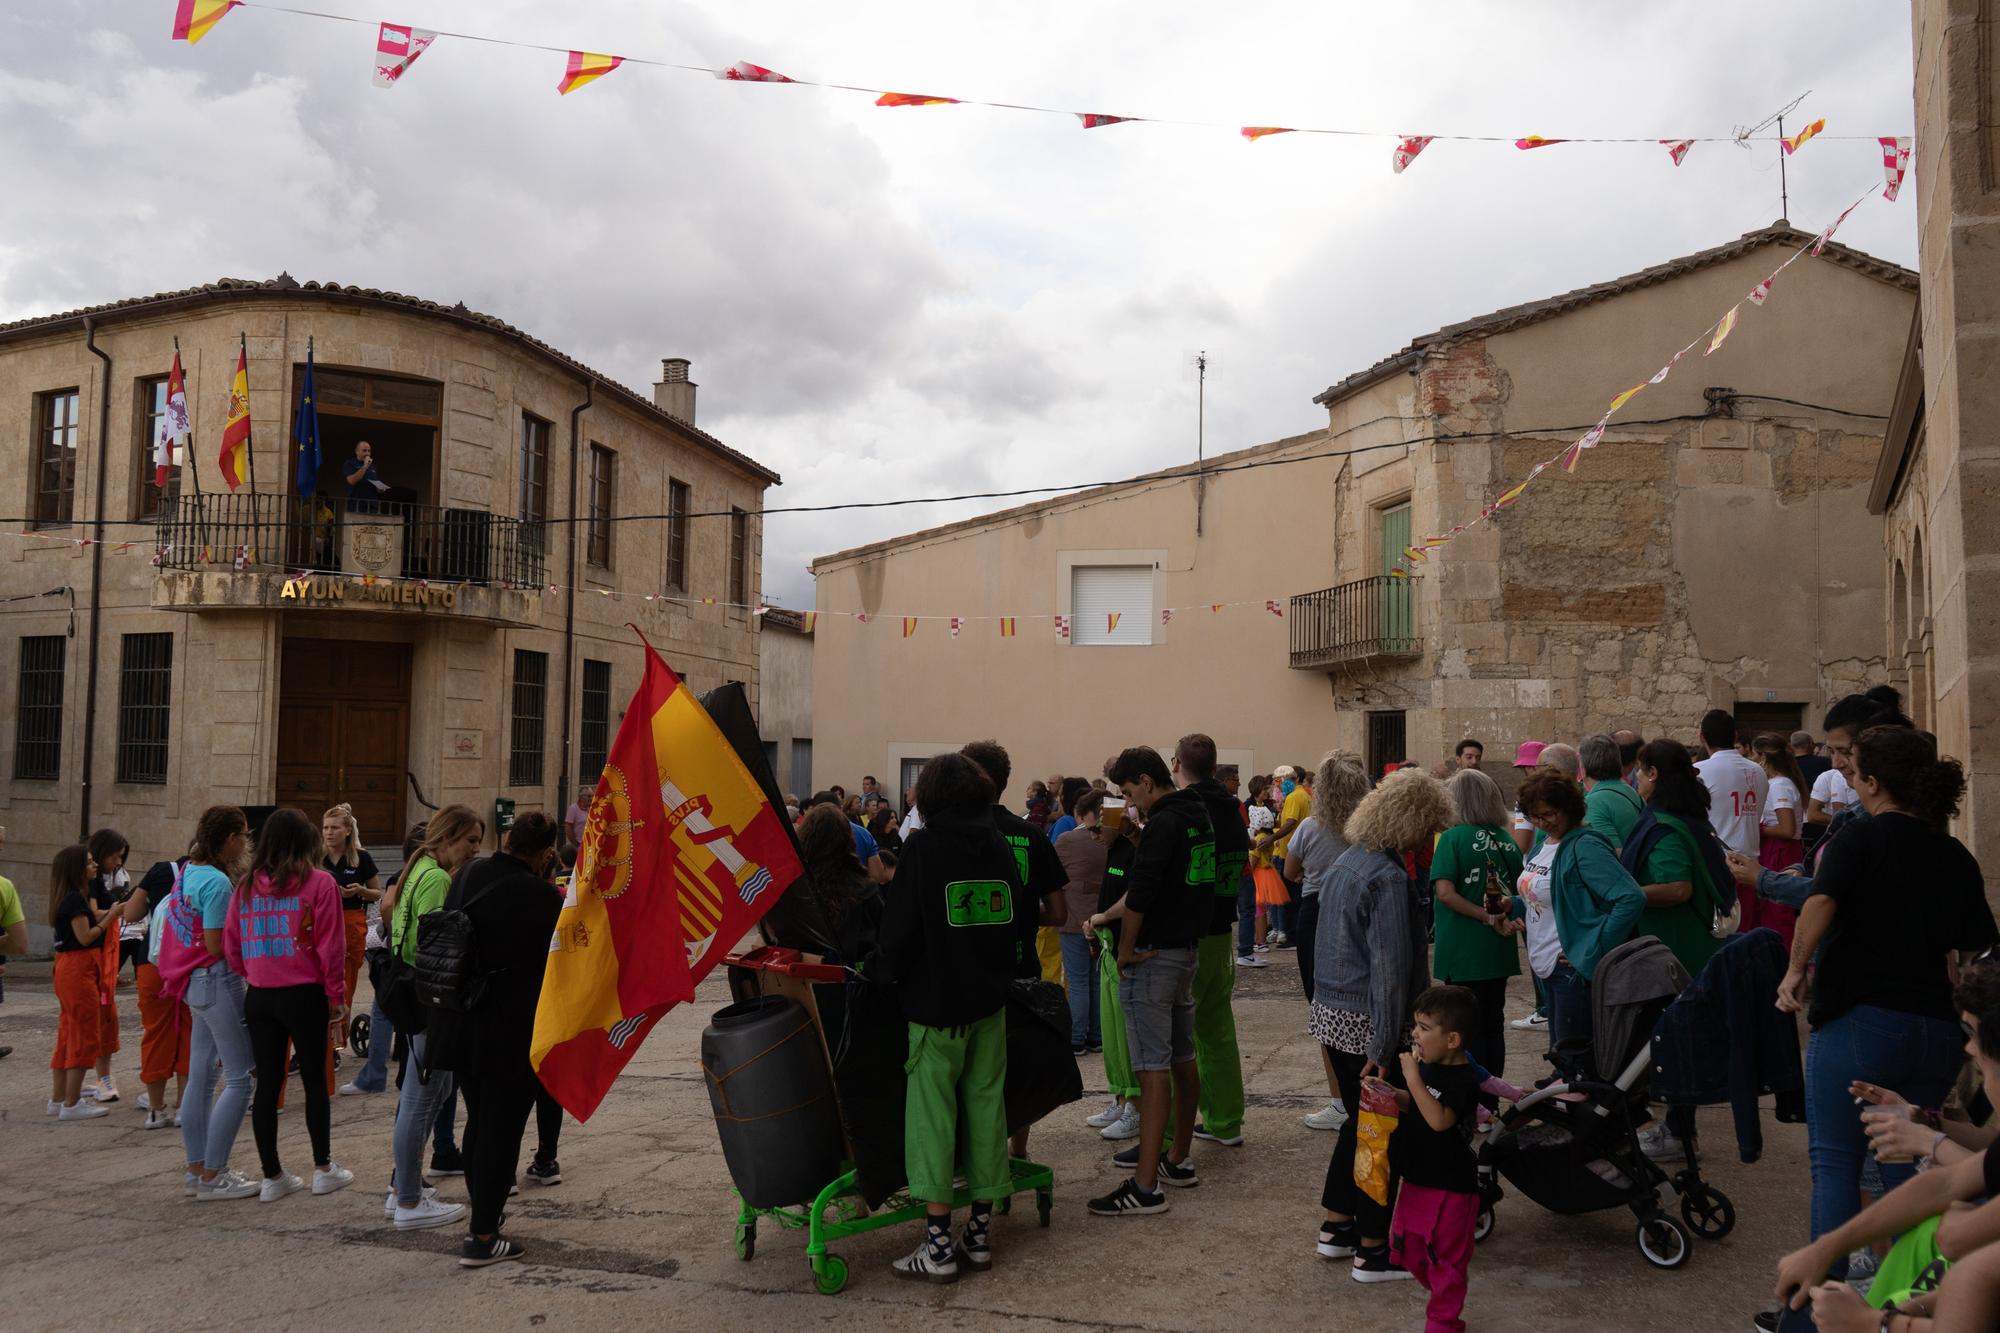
(1158, 999)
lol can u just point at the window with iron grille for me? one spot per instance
(597, 532)
(739, 556)
(55, 456)
(534, 469)
(145, 686)
(596, 745)
(677, 536)
(531, 701)
(1387, 741)
(38, 708)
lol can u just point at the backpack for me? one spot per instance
(395, 980)
(447, 971)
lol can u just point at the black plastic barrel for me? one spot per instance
(773, 1101)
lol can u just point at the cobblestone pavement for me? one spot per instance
(639, 1232)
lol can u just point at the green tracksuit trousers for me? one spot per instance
(1215, 1052)
(1117, 1057)
(957, 1079)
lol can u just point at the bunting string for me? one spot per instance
(398, 46)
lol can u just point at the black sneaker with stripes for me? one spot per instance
(1178, 1174)
(1128, 1200)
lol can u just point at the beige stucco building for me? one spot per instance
(785, 700)
(1938, 485)
(418, 646)
(1704, 554)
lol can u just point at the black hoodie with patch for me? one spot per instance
(952, 921)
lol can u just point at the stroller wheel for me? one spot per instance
(357, 1035)
(1483, 1228)
(1665, 1242)
(1708, 1212)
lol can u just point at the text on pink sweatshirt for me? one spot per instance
(293, 938)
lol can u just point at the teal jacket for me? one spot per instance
(1596, 899)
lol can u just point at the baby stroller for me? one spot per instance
(1573, 1145)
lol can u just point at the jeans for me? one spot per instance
(1246, 915)
(276, 1015)
(220, 1045)
(416, 1115)
(1080, 978)
(1909, 1053)
(374, 1075)
(1569, 1005)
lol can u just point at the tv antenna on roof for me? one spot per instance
(1777, 118)
(1201, 362)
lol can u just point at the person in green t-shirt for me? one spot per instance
(1473, 872)
(1609, 806)
(13, 926)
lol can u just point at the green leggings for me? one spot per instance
(1111, 1014)
(957, 1076)
(1216, 1056)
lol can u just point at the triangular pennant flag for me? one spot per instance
(586, 67)
(1215, 606)
(1275, 609)
(193, 18)
(1006, 627)
(1827, 235)
(807, 620)
(1062, 628)
(861, 616)
(745, 72)
(1895, 161)
(1624, 398)
(1588, 440)
(955, 624)
(1399, 573)
(1761, 292)
(1799, 140)
(396, 49)
(1678, 148)
(1255, 132)
(1537, 141)
(1407, 149)
(1166, 614)
(1508, 497)
(1092, 121)
(914, 99)
(1663, 371)
(1723, 330)
(1415, 553)
(1111, 619)
(909, 626)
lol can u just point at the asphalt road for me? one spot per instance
(639, 1233)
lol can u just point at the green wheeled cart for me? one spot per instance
(838, 1211)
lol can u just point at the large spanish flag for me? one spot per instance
(234, 460)
(681, 855)
(193, 18)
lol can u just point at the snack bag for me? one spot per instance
(1372, 1128)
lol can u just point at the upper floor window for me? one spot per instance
(597, 531)
(739, 556)
(677, 536)
(534, 469)
(1111, 604)
(55, 456)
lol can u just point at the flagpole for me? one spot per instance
(187, 448)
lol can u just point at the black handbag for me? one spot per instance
(395, 981)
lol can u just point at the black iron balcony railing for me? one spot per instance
(265, 531)
(1373, 617)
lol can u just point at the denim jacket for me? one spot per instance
(1774, 886)
(1369, 954)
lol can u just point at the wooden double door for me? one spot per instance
(344, 731)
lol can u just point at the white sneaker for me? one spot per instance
(1660, 1144)
(1331, 1116)
(145, 1102)
(82, 1111)
(157, 1120)
(190, 1184)
(1109, 1115)
(389, 1204)
(226, 1185)
(1126, 1126)
(1250, 960)
(55, 1107)
(1530, 1023)
(275, 1188)
(333, 1177)
(106, 1090)
(429, 1212)
(350, 1090)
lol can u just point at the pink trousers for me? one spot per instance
(1432, 1237)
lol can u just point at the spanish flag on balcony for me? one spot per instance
(193, 18)
(681, 855)
(586, 67)
(234, 459)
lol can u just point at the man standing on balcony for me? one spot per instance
(363, 483)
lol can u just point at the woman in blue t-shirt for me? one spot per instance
(215, 999)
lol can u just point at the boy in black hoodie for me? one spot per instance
(948, 941)
(1215, 1050)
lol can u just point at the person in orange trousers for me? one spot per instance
(80, 931)
(109, 887)
(167, 1024)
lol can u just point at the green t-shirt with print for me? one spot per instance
(1471, 856)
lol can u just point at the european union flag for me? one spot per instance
(305, 430)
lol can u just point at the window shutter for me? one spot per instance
(1098, 591)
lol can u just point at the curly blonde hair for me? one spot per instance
(1338, 788)
(1407, 810)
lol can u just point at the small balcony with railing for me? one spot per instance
(1368, 619)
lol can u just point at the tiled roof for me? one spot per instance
(286, 288)
(1513, 317)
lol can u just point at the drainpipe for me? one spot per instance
(96, 580)
(569, 601)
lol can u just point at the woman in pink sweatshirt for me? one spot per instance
(284, 938)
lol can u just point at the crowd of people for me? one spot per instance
(246, 952)
(1406, 898)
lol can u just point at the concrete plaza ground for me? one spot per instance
(639, 1232)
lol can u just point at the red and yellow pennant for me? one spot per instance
(194, 18)
(1803, 137)
(1006, 627)
(681, 855)
(1092, 121)
(1723, 329)
(1537, 141)
(914, 99)
(1255, 132)
(745, 72)
(909, 626)
(586, 67)
(234, 460)
(1111, 619)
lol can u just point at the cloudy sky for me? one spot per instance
(886, 303)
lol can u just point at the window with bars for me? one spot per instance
(597, 531)
(596, 741)
(739, 556)
(145, 687)
(677, 536)
(531, 702)
(38, 708)
(55, 456)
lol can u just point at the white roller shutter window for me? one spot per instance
(1096, 591)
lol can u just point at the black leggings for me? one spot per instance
(1305, 930)
(548, 1124)
(1340, 1195)
(496, 1115)
(273, 1015)
(1488, 1044)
